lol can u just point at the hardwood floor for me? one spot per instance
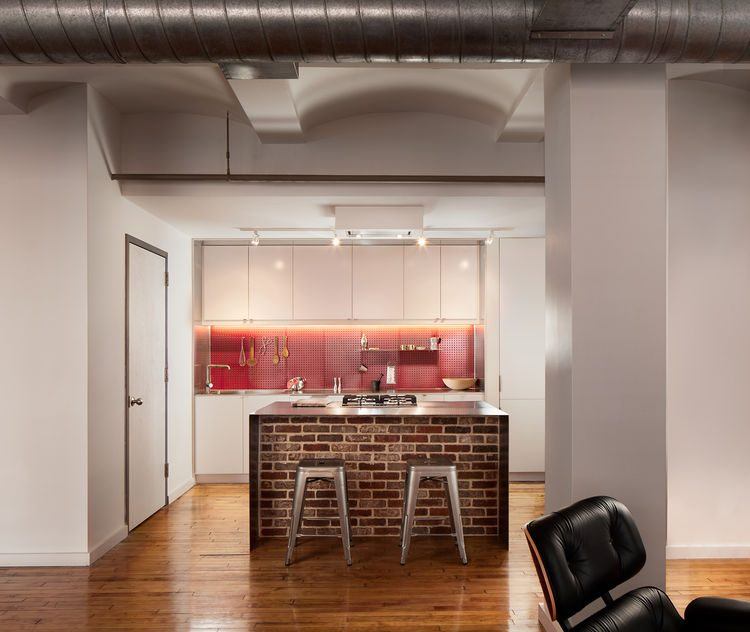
(187, 568)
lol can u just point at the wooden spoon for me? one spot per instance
(285, 352)
(251, 361)
(276, 350)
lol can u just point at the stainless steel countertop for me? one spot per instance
(315, 392)
(423, 409)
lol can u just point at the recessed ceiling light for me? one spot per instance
(489, 240)
(256, 238)
(335, 241)
(399, 236)
(359, 235)
(422, 241)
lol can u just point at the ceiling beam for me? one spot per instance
(525, 122)
(270, 108)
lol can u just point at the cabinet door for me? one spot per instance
(378, 287)
(459, 282)
(322, 282)
(271, 283)
(422, 282)
(218, 434)
(225, 282)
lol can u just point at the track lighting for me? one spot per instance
(422, 241)
(256, 238)
(490, 239)
(335, 241)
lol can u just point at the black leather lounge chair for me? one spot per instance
(583, 552)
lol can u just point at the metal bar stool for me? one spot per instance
(309, 471)
(437, 468)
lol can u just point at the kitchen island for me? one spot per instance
(375, 443)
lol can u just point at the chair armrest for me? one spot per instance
(714, 614)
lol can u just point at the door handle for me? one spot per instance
(132, 401)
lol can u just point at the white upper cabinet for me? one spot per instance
(225, 282)
(271, 283)
(459, 282)
(422, 282)
(322, 282)
(378, 285)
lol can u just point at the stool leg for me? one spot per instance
(403, 508)
(412, 492)
(348, 517)
(346, 537)
(446, 489)
(300, 485)
(456, 511)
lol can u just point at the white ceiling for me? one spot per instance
(206, 210)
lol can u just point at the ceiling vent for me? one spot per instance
(379, 222)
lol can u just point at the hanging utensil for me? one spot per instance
(251, 361)
(285, 352)
(276, 350)
(243, 359)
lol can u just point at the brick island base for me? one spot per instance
(375, 450)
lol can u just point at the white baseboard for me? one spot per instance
(222, 478)
(44, 559)
(180, 490)
(108, 543)
(707, 551)
(526, 477)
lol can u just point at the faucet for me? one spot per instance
(209, 384)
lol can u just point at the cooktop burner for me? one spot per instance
(370, 400)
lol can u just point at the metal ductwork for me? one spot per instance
(352, 31)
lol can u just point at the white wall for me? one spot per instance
(607, 292)
(427, 143)
(43, 479)
(522, 352)
(111, 217)
(709, 315)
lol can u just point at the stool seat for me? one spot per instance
(310, 470)
(431, 468)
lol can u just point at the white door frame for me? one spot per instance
(134, 241)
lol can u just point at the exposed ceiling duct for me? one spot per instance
(354, 31)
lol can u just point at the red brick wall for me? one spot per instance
(375, 451)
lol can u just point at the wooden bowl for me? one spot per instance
(459, 383)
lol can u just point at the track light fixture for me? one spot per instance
(335, 241)
(490, 239)
(256, 238)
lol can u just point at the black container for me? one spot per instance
(375, 386)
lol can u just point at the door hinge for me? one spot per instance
(166, 279)
(166, 470)
(166, 374)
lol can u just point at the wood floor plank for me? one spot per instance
(188, 568)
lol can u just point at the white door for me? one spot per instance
(322, 282)
(459, 282)
(378, 287)
(422, 282)
(225, 282)
(271, 283)
(146, 399)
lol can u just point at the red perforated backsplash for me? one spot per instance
(321, 353)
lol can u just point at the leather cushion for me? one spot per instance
(586, 550)
(713, 614)
(641, 610)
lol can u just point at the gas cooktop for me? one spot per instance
(371, 400)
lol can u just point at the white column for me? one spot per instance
(491, 289)
(607, 292)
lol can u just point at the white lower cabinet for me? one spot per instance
(218, 434)
(250, 405)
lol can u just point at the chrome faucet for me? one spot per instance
(209, 384)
